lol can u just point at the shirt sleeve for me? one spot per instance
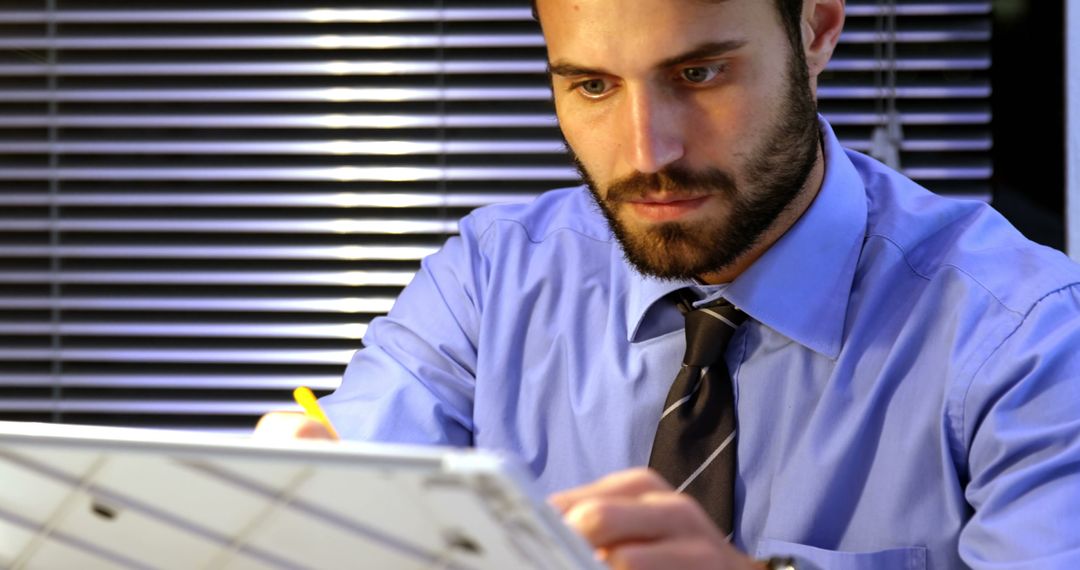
(413, 382)
(1022, 422)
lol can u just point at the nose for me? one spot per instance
(655, 137)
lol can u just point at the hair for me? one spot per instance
(790, 14)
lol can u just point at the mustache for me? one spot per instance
(673, 179)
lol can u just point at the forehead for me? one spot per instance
(609, 32)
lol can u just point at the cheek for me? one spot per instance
(719, 126)
(734, 122)
(768, 87)
(592, 142)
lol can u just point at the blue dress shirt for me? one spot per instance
(908, 385)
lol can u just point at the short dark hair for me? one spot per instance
(790, 14)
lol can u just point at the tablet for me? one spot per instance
(96, 497)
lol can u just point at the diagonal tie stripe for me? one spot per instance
(708, 461)
(687, 397)
(719, 317)
(695, 442)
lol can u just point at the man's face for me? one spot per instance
(692, 121)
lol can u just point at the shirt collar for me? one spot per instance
(800, 286)
(642, 293)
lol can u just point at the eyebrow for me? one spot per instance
(705, 50)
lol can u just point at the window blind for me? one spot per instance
(205, 202)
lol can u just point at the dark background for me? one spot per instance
(1029, 117)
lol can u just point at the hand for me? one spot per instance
(636, 521)
(290, 425)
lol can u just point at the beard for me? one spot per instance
(777, 169)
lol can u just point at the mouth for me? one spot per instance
(666, 207)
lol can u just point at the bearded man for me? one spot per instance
(898, 382)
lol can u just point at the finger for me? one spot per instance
(682, 554)
(611, 521)
(628, 483)
(312, 429)
(289, 425)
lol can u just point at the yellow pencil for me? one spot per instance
(306, 399)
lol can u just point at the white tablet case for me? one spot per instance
(75, 497)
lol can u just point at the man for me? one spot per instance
(907, 379)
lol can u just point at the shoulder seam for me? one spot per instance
(903, 254)
(529, 236)
(1019, 323)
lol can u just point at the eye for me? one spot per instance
(701, 73)
(591, 87)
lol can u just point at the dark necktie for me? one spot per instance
(694, 447)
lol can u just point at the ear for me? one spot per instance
(822, 22)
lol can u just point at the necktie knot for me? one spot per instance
(708, 330)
